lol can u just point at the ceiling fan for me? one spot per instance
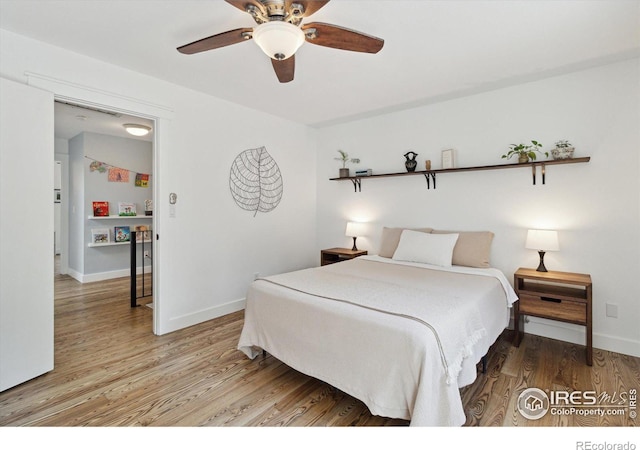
(280, 33)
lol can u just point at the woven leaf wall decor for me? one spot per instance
(255, 181)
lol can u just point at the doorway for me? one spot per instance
(91, 144)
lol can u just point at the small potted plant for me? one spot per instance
(344, 157)
(563, 150)
(525, 152)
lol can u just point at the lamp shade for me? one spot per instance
(542, 240)
(355, 229)
(279, 40)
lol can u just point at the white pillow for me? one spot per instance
(436, 249)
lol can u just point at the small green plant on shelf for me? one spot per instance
(344, 157)
(525, 152)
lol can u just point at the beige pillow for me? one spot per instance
(391, 237)
(473, 248)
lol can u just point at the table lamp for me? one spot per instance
(543, 241)
(355, 229)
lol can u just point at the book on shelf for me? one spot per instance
(100, 209)
(122, 234)
(126, 209)
(100, 236)
(364, 173)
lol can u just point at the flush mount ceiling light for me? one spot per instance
(279, 40)
(136, 129)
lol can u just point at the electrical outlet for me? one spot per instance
(612, 310)
(147, 254)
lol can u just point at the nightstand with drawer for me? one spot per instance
(334, 255)
(562, 296)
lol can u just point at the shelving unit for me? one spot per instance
(115, 217)
(430, 175)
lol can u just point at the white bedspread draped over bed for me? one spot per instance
(401, 337)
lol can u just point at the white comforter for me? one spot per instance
(401, 337)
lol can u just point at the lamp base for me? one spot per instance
(541, 267)
(355, 249)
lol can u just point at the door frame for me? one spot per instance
(159, 114)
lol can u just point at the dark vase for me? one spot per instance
(411, 162)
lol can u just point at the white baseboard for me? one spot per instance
(576, 334)
(187, 320)
(74, 274)
(92, 277)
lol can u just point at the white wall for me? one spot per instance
(132, 154)
(76, 213)
(208, 254)
(61, 153)
(212, 248)
(595, 206)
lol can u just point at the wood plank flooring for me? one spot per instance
(111, 370)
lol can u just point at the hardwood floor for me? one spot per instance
(110, 370)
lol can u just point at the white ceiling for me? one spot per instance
(433, 50)
(71, 120)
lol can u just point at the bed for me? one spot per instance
(403, 336)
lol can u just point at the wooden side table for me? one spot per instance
(334, 255)
(562, 296)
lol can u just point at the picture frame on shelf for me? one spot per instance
(101, 209)
(126, 209)
(122, 234)
(148, 207)
(448, 159)
(100, 236)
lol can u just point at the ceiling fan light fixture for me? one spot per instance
(278, 39)
(136, 129)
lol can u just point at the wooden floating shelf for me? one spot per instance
(430, 175)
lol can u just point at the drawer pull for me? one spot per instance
(551, 299)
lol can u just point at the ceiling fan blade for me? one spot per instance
(342, 38)
(310, 6)
(217, 41)
(284, 68)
